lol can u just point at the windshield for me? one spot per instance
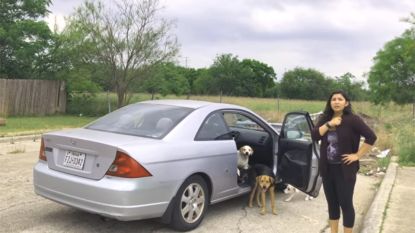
(145, 120)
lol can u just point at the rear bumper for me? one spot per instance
(113, 197)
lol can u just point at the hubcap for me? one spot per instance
(192, 203)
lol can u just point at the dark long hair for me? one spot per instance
(328, 111)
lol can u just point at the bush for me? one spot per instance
(87, 104)
(90, 105)
(406, 146)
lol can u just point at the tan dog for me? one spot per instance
(263, 183)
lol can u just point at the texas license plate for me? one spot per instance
(74, 160)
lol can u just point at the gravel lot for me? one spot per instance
(21, 210)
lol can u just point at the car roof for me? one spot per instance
(191, 103)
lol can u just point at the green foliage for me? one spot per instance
(25, 40)
(128, 38)
(303, 83)
(230, 76)
(392, 77)
(348, 83)
(406, 145)
(258, 79)
(226, 70)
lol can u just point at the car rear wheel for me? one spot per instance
(190, 204)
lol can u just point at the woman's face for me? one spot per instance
(338, 103)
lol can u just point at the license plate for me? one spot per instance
(74, 160)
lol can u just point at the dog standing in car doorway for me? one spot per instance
(264, 182)
(244, 153)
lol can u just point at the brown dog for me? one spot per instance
(264, 182)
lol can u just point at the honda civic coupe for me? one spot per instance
(170, 159)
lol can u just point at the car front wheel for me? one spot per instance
(190, 204)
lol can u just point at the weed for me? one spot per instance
(17, 151)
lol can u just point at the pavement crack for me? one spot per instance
(18, 204)
(325, 228)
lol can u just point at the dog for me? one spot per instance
(294, 191)
(264, 182)
(243, 156)
(244, 153)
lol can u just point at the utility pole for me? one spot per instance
(185, 63)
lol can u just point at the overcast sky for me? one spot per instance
(332, 36)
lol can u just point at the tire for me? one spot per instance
(190, 204)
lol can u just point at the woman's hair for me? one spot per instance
(328, 111)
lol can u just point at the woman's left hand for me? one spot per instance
(350, 158)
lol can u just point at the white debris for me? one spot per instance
(383, 154)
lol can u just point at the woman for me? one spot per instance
(339, 131)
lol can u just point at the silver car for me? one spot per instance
(170, 159)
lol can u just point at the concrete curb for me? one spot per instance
(373, 220)
(13, 139)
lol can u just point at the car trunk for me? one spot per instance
(83, 152)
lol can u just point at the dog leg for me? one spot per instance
(258, 202)
(272, 194)
(308, 198)
(263, 209)
(251, 196)
(290, 197)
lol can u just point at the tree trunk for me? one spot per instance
(121, 96)
(220, 99)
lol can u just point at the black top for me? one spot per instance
(348, 132)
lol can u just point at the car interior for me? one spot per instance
(247, 132)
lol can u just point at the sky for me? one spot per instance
(331, 36)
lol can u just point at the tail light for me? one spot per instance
(125, 166)
(42, 155)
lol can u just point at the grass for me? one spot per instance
(392, 123)
(33, 125)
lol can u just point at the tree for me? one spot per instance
(204, 83)
(258, 78)
(303, 83)
(226, 70)
(24, 38)
(347, 82)
(129, 38)
(392, 77)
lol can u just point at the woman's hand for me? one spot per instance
(335, 121)
(350, 158)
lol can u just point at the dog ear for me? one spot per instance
(272, 180)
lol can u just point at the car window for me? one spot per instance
(296, 127)
(146, 120)
(237, 120)
(213, 128)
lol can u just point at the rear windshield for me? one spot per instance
(145, 120)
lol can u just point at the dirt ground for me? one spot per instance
(21, 210)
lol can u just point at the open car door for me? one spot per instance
(298, 155)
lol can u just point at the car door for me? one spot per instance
(298, 155)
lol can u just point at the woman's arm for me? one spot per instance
(350, 158)
(364, 130)
(322, 127)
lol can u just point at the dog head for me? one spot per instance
(289, 189)
(246, 151)
(265, 182)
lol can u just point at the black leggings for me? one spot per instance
(339, 193)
